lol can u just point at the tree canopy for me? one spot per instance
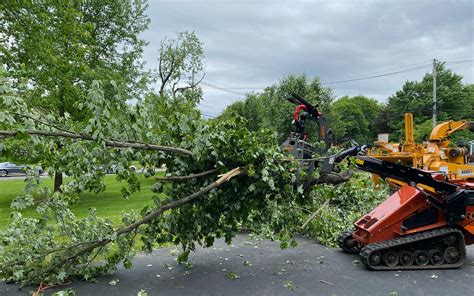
(54, 52)
(360, 117)
(455, 102)
(270, 110)
(354, 117)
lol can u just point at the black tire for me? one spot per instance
(375, 258)
(348, 244)
(436, 257)
(422, 258)
(406, 258)
(3, 173)
(391, 258)
(452, 255)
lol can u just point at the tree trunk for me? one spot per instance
(58, 181)
(58, 175)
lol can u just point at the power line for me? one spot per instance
(366, 76)
(363, 77)
(376, 76)
(460, 61)
(392, 69)
(204, 104)
(222, 88)
(207, 115)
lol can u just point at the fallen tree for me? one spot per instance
(205, 200)
(60, 246)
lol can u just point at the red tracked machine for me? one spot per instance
(426, 224)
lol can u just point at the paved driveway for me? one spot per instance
(263, 268)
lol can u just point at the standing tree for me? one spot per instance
(53, 51)
(355, 117)
(181, 67)
(180, 70)
(269, 109)
(455, 101)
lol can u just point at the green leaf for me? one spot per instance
(232, 275)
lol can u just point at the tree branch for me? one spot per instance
(315, 214)
(148, 218)
(165, 78)
(191, 85)
(110, 143)
(181, 178)
(223, 178)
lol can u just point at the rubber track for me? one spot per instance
(412, 238)
(342, 238)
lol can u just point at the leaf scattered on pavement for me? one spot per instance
(142, 293)
(247, 263)
(289, 285)
(232, 275)
(68, 292)
(114, 282)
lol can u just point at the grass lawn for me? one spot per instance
(109, 204)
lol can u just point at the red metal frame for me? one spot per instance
(385, 221)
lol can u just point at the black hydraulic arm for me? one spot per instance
(386, 169)
(454, 200)
(409, 175)
(311, 109)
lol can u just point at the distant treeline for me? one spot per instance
(360, 117)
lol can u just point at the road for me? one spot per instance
(18, 177)
(263, 268)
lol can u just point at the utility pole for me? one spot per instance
(434, 93)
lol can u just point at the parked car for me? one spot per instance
(113, 169)
(8, 168)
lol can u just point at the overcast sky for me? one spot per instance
(253, 44)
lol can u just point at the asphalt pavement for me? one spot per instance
(260, 267)
(12, 177)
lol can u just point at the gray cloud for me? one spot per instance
(255, 43)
